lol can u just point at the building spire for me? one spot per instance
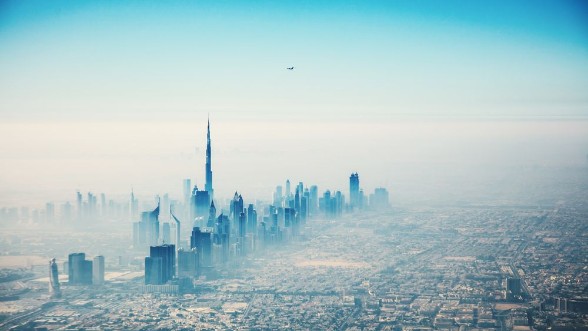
(208, 185)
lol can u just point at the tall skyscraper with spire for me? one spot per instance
(208, 186)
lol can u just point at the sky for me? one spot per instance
(94, 94)
(143, 59)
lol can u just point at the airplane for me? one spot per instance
(290, 68)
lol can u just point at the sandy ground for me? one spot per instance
(22, 261)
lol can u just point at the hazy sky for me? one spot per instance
(108, 95)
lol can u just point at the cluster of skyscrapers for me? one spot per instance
(225, 239)
(216, 240)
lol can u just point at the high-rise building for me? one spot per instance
(354, 199)
(236, 207)
(103, 205)
(166, 233)
(153, 271)
(50, 212)
(80, 269)
(290, 220)
(146, 231)
(202, 242)
(242, 233)
(178, 229)
(134, 206)
(211, 215)
(251, 219)
(187, 263)
(222, 235)
(379, 199)
(79, 206)
(513, 288)
(303, 212)
(54, 290)
(160, 264)
(314, 200)
(98, 270)
(92, 206)
(187, 188)
(332, 204)
(339, 203)
(66, 212)
(202, 204)
(278, 196)
(208, 185)
(288, 189)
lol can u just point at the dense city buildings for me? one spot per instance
(443, 268)
(302, 261)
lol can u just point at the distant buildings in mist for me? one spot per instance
(195, 203)
(217, 239)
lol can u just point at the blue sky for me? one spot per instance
(90, 60)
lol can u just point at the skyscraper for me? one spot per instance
(187, 186)
(251, 219)
(187, 263)
(208, 185)
(242, 232)
(202, 204)
(103, 204)
(287, 189)
(236, 207)
(313, 202)
(513, 288)
(166, 233)
(134, 206)
(153, 271)
(379, 199)
(50, 212)
(98, 270)
(354, 191)
(80, 269)
(211, 215)
(202, 242)
(151, 220)
(79, 206)
(222, 236)
(178, 228)
(146, 231)
(54, 290)
(160, 264)
(278, 196)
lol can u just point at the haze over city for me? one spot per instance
(406, 165)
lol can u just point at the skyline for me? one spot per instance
(418, 153)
